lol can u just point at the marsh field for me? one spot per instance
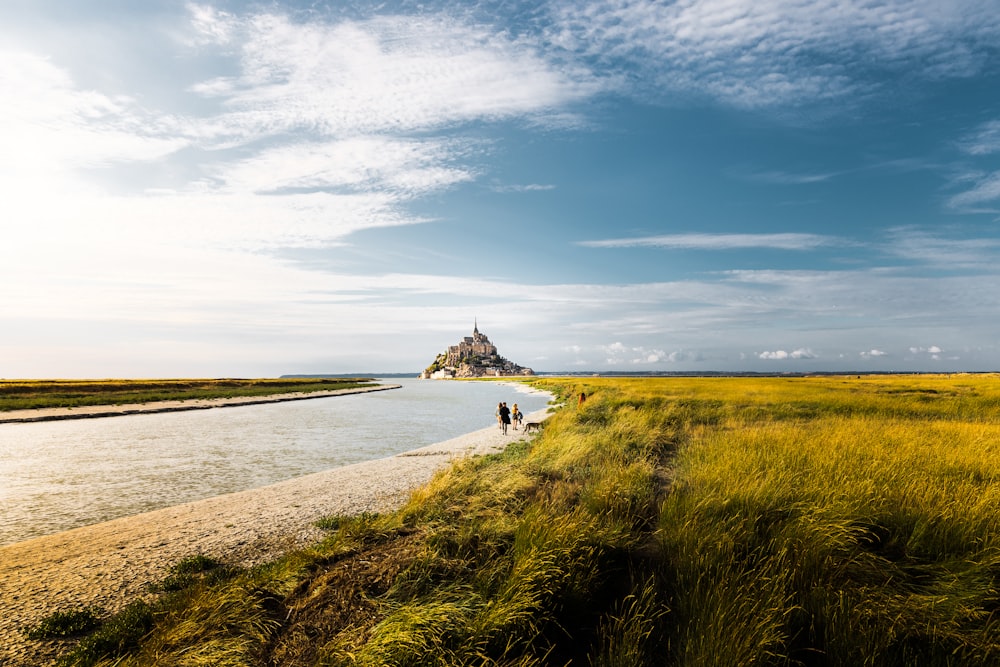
(33, 394)
(664, 521)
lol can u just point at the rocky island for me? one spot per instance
(475, 356)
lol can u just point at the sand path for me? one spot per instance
(111, 563)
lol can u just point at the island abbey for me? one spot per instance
(474, 356)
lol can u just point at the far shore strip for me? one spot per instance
(94, 411)
(109, 564)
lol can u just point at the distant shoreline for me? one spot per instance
(98, 411)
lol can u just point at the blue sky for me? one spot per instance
(218, 189)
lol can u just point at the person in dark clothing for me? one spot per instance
(504, 417)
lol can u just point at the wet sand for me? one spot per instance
(109, 564)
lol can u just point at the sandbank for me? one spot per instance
(112, 563)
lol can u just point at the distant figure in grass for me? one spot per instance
(583, 397)
(504, 417)
(516, 416)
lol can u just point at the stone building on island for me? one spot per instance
(474, 356)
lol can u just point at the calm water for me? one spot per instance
(60, 475)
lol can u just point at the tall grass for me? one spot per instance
(861, 530)
(677, 521)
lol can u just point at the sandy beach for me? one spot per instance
(111, 563)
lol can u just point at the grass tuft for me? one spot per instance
(192, 570)
(66, 624)
(116, 636)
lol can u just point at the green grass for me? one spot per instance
(117, 635)
(192, 570)
(66, 623)
(32, 394)
(669, 521)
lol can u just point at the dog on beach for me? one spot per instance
(537, 426)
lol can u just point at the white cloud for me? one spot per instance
(680, 356)
(530, 187)
(788, 178)
(984, 141)
(985, 190)
(932, 351)
(403, 166)
(789, 241)
(978, 189)
(388, 74)
(915, 244)
(873, 353)
(615, 352)
(211, 26)
(780, 52)
(618, 354)
(49, 126)
(781, 355)
(313, 115)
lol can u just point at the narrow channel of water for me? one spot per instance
(60, 475)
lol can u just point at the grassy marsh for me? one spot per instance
(33, 394)
(667, 521)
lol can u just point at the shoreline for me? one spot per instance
(109, 564)
(98, 411)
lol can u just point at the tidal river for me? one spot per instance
(63, 474)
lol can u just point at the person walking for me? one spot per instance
(497, 415)
(516, 416)
(504, 417)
